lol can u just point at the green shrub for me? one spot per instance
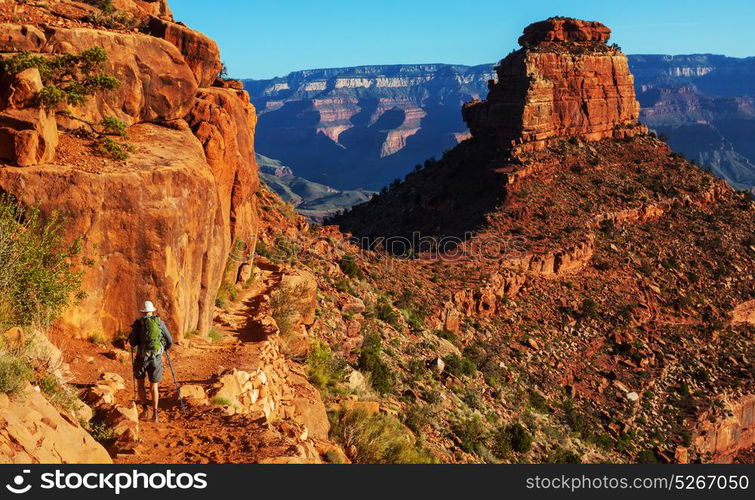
(67, 78)
(377, 439)
(50, 96)
(15, 372)
(106, 146)
(283, 307)
(114, 19)
(343, 285)
(385, 311)
(470, 433)
(560, 455)
(415, 319)
(37, 276)
(538, 402)
(215, 335)
(102, 433)
(113, 126)
(589, 309)
(104, 5)
(647, 457)
(576, 420)
(448, 335)
(350, 268)
(417, 416)
(58, 394)
(511, 438)
(226, 293)
(222, 402)
(325, 371)
(458, 366)
(334, 457)
(96, 338)
(370, 360)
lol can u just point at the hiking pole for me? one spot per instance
(178, 390)
(133, 380)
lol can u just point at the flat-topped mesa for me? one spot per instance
(565, 30)
(564, 82)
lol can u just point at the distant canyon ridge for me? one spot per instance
(360, 128)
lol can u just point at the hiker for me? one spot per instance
(150, 336)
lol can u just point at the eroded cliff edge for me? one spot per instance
(162, 222)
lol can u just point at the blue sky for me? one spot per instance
(262, 39)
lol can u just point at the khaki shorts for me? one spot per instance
(150, 367)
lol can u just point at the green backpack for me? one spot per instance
(151, 341)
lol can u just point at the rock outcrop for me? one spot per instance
(33, 431)
(156, 83)
(143, 8)
(165, 220)
(722, 438)
(564, 30)
(224, 122)
(200, 52)
(564, 82)
(153, 223)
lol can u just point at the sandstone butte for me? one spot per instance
(547, 91)
(593, 297)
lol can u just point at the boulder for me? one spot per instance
(744, 313)
(200, 52)
(21, 89)
(123, 420)
(297, 342)
(194, 393)
(142, 9)
(19, 38)
(28, 136)
(724, 437)
(33, 431)
(352, 305)
(310, 412)
(156, 84)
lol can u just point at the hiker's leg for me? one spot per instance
(142, 391)
(155, 395)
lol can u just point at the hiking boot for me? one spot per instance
(155, 417)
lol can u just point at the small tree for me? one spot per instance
(38, 276)
(67, 78)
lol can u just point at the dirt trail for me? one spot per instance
(206, 434)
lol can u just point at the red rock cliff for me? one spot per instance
(564, 82)
(161, 224)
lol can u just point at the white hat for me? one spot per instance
(148, 307)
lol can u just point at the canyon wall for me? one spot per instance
(160, 224)
(364, 126)
(703, 103)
